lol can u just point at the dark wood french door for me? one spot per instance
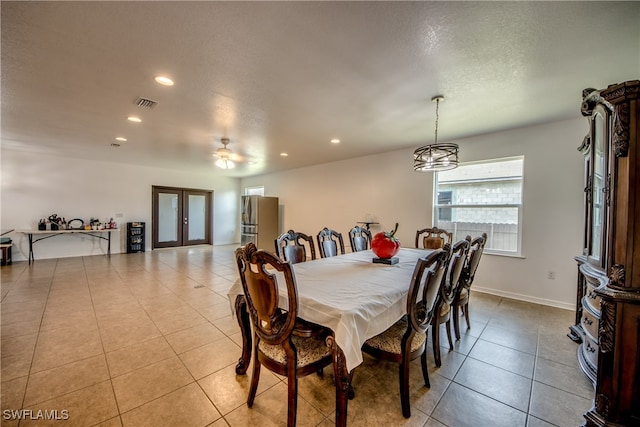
(181, 217)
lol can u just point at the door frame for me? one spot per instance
(182, 203)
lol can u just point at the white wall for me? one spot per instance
(35, 186)
(338, 194)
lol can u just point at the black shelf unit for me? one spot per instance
(135, 237)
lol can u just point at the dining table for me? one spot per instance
(350, 294)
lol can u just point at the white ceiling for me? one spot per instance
(290, 76)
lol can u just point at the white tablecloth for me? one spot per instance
(350, 294)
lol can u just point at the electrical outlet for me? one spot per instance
(119, 215)
(551, 275)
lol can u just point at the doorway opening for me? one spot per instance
(181, 217)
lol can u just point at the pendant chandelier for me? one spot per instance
(438, 156)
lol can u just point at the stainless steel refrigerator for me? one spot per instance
(259, 223)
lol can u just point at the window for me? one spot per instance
(444, 198)
(254, 191)
(482, 197)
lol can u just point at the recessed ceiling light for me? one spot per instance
(119, 138)
(284, 154)
(134, 119)
(335, 141)
(165, 81)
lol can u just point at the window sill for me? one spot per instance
(504, 254)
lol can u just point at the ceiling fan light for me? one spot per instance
(225, 163)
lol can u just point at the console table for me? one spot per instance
(99, 234)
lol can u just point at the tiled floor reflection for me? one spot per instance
(148, 340)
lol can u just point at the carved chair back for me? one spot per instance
(448, 291)
(292, 246)
(434, 238)
(272, 324)
(425, 287)
(451, 281)
(476, 248)
(360, 239)
(329, 242)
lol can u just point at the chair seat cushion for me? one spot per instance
(310, 350)
(390, 340)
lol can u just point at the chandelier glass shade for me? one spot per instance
(437, 156)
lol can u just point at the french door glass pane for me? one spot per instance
(196, 217)
(167, 217)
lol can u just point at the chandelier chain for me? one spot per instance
(437, 118)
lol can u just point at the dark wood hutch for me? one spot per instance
(608, 297)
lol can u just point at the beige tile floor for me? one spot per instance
(148, 340)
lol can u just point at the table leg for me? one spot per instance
(30, 248)
(344, 392)
(109, 243)
(242, 315)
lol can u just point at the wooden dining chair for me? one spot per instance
(461, 298)
(360, 239)
(282, 342)
(329, 243)
(448, 288)
(434, 238)
(292, 246)
(406, 339)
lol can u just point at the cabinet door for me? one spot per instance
(599, 187)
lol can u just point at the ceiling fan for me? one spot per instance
(225, 156)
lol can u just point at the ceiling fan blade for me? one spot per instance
(236, 157)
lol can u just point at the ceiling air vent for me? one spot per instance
(146, 103)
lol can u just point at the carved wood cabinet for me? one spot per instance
(607, 322)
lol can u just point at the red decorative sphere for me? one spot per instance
(384, 244)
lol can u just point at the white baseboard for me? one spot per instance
(527, 298)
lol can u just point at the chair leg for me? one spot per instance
(292, 407)
(456, 320)
(435, 335)
(423, 362)
(448, 328)
(255, 377)
(466, 315)
(404, 387)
